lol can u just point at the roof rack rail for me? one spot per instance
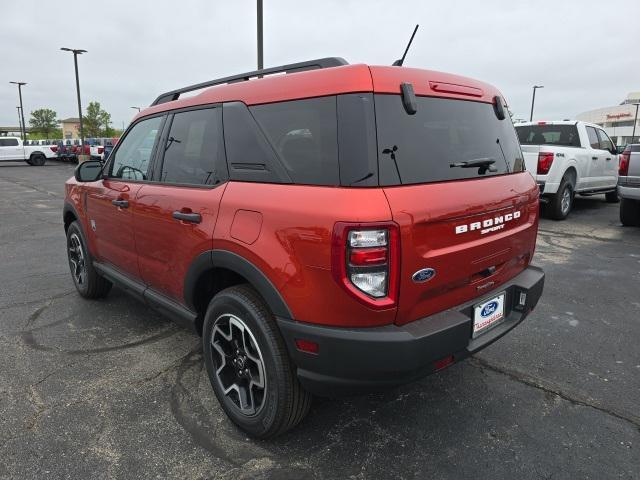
(290, 68)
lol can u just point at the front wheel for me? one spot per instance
(561, 203)
(87, 281)
(248, 365)
(630, 212)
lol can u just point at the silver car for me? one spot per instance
(629, 185)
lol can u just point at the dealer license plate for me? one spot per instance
(488, 314)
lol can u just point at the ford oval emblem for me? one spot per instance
(489, 309)
(423, 275)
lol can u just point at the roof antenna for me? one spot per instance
(398, 63)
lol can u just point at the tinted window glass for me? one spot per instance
(131, 160)
(425, 146)
(249, 155)
(357, 140)
(8, 142)
(194, 150)
(593, 138)
(304, 134)
(605, 142)
(564, 135)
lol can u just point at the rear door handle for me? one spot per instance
(608, 159)
(594, 158)
(187, 217)
(121, 203)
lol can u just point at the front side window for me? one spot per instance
(132, 159)
(605, 142)
(444, 140)
(194, 149)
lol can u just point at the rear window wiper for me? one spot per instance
(482, 164)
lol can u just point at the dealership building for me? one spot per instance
(618, 120)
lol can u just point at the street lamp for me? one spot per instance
(533, 100)
(23, 130)
(137, 108)
(635, 122)
(77, 52)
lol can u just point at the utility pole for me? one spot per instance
(260, 43)
(77, 52)
(23, 129)
(533, 100)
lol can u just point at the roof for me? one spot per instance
(335, 81)
(70, 120)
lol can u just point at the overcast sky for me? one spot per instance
(585, 53)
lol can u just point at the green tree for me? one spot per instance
(96, 121)
(43, 121)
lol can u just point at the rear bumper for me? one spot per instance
(632, 193)
(356, 360)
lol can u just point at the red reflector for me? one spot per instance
(307, 346)
(100, 150)
(368, 256)
(443, 362)
(542, 123)
(545, 159)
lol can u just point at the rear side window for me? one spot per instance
(131, 160)
(561, 135)
(249, 154)
(194, 149)
(304, 135)
(8, 142)
(432, 144)
(593, 138)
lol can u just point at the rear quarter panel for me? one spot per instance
(286, 231)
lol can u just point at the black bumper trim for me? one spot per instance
(353, 360)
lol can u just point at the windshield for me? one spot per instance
(562, 135)
(444, 140)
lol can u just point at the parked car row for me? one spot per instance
(36, 152)
(12, 149)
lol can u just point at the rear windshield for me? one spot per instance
(433, 144)
(562, 135)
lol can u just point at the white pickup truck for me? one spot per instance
(12, 150)
(569, 157)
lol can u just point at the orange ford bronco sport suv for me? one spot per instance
(327, 228)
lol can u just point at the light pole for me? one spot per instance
(635, 121)
(19, 121)
(260, 52)
(77, 52)
(533, 100)
(23, 130)
(137, 108)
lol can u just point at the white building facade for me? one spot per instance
(618, 120)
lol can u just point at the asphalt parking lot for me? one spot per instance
(109, 389)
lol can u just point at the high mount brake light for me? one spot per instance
(366, 261)
(545, 159)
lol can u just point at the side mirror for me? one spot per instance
(89, 171)
(620, 148)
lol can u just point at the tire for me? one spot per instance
(38, 159)
(246, 336)
(87, 281)
(612, 196)
(561, 203)
(630, 212)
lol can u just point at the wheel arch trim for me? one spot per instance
(211, 259)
